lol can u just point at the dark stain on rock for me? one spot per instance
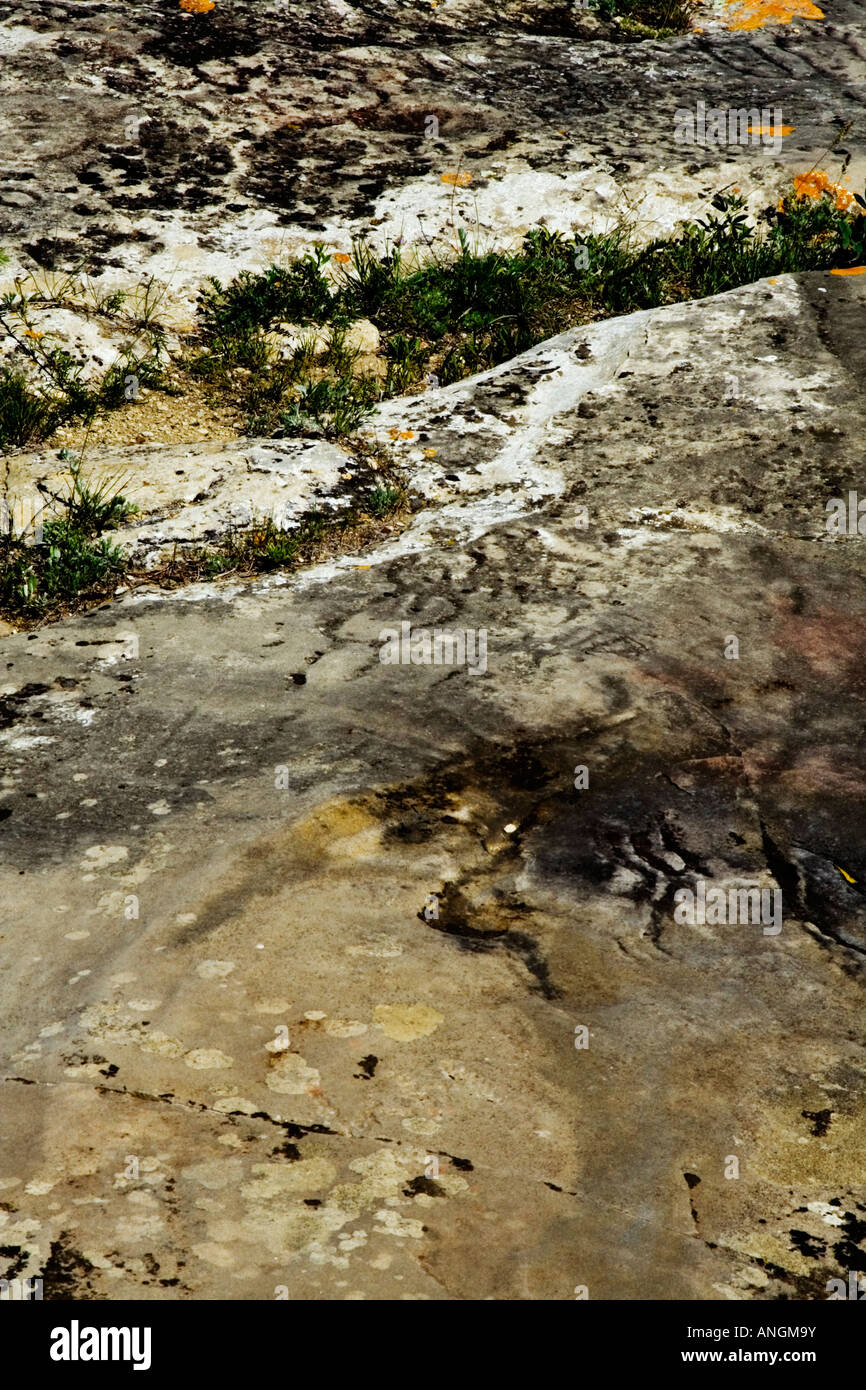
(287, 1150)
(453, 920)
(464, 1164)
(809, 1246)
(294, 1131)
(189, 43)
(10, 710)
(66, 1273)
(368, 1067)
(423, 1184)
(17, 1257)
(849, 1252)
(820, 1121)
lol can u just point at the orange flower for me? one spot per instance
(754, 14)
(461, 179)
(196, 6)
(816, 182)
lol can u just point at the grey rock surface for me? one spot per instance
(351, 979)
(298, 945)
(184, 145)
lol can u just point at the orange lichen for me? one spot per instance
(851, 270)
(461, 179)
(401, 434)
(197, 6)
(816, 183)
(754, 14)
(341, 257)
(771, 129)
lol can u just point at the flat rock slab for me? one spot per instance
(302, 948)
(148, 148)
(154, 142)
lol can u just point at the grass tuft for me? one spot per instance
(441, 320)
(71, 560)
(461, 314)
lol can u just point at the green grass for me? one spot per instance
(648, 19)
(384, 501)
(31, 409)
(72, 559)
(456, 315)
(24, 414)
(333, 407)
(446, 318)
(53, 391)
(298, 292)
(264, 546)
(74, 562)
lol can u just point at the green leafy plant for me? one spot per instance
(453, 315)
(332, 407)
(298, 292)
(384, 501)
(72, 559)
(655, 19)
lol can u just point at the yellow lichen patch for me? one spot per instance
(851, 270)
(461, 179)
(345, 1027)
(213, 1254)
(754, 14)
(341, 829)
(403, 1022)
(289, 1075)
(816, 183)
(276, 1179)
(207, 1059)
(196, 6)
(771, 130)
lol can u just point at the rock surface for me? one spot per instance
(300, 948)
(298, 945)
(191, 145)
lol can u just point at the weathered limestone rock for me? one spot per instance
(364, 978)
(301, 949)
(152, 142)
